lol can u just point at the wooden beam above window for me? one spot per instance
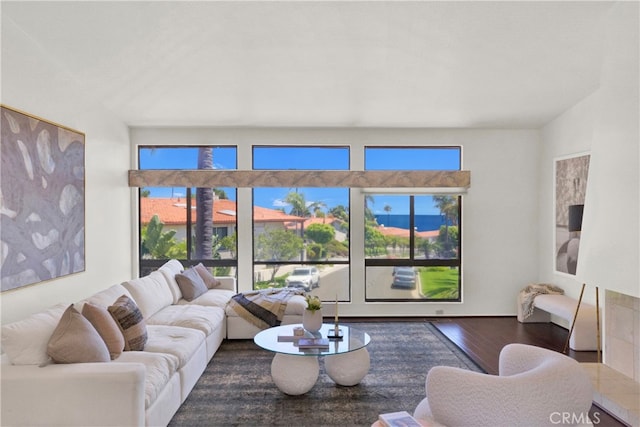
(298, 178)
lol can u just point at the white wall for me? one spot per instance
(610, 243)
(606, 125)
(499, 215)
(35, 83)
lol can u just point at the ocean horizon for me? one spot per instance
(422, 222)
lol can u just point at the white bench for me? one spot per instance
(584, 336)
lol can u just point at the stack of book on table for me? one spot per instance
(398, 419)
(321, 343)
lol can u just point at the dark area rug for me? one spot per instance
(236, 388)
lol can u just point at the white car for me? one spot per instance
(306, 278)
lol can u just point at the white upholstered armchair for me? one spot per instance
(535, 387)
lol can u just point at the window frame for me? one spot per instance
(302, 263)
(145, 265)
(412, 261)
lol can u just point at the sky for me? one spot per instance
(309, 158)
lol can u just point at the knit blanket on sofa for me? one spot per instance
(530, 292)
(264, 308)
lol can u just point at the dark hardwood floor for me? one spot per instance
(482, 338)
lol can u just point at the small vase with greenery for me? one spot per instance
(313, 302)
(312, 316)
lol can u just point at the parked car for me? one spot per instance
(404, 277)
(306, 278)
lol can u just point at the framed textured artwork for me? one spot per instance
(42, 203)
(571, 175)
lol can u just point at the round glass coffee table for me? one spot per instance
(295, 370)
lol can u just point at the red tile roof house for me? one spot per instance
(402, 232)
(172, 213)
(431, 235)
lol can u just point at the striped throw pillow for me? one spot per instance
(130, 321)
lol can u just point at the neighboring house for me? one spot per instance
(431, 235)
(172, 213)
(336, 223)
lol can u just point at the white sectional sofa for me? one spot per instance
(138, 387)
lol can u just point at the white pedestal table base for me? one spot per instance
(348, 369)
(294, 375)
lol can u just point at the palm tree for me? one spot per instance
(315, 207)
(387, 209)
(204, 209)
(368, 214)
(448, 206)
(340, 212)
(298, 204)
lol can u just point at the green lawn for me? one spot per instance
(439, 282)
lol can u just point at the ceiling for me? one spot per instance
(505, 64)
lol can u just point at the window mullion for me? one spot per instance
(412, 227)
(189, 224)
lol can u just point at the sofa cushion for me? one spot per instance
(159, 368)
(131, 323)
(191, 284)
(105, 297)
(106, 326)
(180, 342)
(208, 278)
(169, 271)
(25, 341)
(75, 340)
(205, 319)
(211, 298)
(151, 293)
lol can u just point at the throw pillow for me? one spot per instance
(106, 326)
(131, 323)
(75, 340)
(207, 277)
(25, 341)
(191, 284)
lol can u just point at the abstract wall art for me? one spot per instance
(42, 200)
(571, 175)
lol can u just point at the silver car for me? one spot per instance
(306, 278)
(404, 277)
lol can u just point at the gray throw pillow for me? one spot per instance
(208, 278)
(191, 284)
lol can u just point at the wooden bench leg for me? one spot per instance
(575, 317)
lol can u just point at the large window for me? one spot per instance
(301, 235)
(190, 224)
(412, 241)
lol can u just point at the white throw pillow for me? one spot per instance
(151, 293)
(169, 271)
(25, 341)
